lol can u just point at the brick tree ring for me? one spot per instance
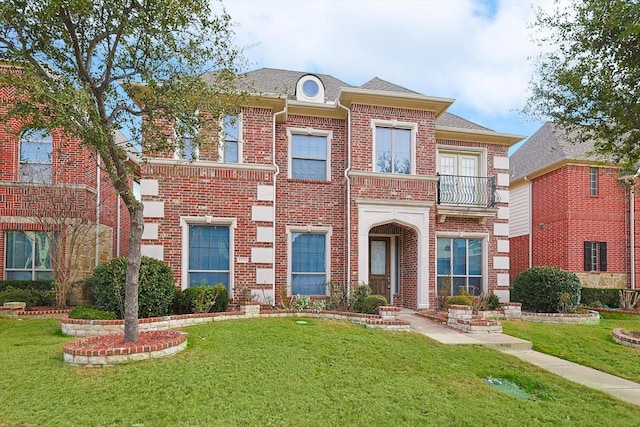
(109, 350)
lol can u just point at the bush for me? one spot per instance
(460, 300)
(493, 302)
(372, 302)
(337, 297)
(301, 302)
(605, 297)
(91, 312)
(18, 295)
(39, 285)
(155, 287)
(546, 289)
(357, 298)
(203, 299)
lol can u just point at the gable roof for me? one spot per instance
(549, 145)
(379, 84)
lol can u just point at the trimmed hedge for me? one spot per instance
(459, 300)
(39, 285)
(211, 299)
(546, 289)
(155, 287)
(91, 312)
(607, 297)
(32, 297)
(357, 298)
(372, 302)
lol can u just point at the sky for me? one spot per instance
(478, 52)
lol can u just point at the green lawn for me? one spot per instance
(278, 372)
(589, 345)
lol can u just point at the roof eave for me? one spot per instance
(477, 135)
(348, 96)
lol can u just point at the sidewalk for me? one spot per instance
(615, 386)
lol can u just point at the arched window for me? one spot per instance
(36, 152)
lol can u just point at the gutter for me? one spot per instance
(98, 202)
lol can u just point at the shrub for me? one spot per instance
(203, 299)
(605, 297)
(372, 302)
(357, 298)
(40, 285)
(155, 287)
(91, 312)
(337, 297)
(546, 289)
(460, 300)
(319, 305)
(301, 302)
(493, 302)
(18, 295)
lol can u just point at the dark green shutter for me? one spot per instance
(587, 256)
(603, 256)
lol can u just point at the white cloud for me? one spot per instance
(474, 51)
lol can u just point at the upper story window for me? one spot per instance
(394, 147)
(309, 154)
(310, 89)
(185, 132)
(230, 143)
(36, 154)
(461, 178)
(593, 181)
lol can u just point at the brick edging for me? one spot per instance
(620, 336)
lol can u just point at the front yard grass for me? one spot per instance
(589, 345)
(280, 372)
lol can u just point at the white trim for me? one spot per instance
(395, 124)
(185, 221)
(301, 96)
(327, 231)
(314, 132)
(466, 235)
(481, 153)
(416, 218)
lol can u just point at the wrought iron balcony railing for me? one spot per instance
(467, 190)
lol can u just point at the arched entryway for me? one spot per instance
(393, 252)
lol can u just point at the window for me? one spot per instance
(308, 263)
(460, 181)
(28, 255)
(209, 255)
(36, 151)
(593, 181)
(309, 154)
(393, 152)
(186, 148)
(310, 89)
(230, 145)
(595, 256)
(459, 266)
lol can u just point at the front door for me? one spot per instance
(380, 266)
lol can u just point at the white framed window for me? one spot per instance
(28, 255)
(207, 248)
(462, 177)
(36, 156)
(461, 264)
(230, 146)
(310, 89)
(394, 147)
(309, 154)
(593, 181)
(309, 260)
(186, 148)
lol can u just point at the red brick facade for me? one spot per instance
(264, 205)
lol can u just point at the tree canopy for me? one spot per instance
(588, 82)
(91, 67)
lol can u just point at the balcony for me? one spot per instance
(466, 196)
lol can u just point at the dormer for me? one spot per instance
(310, 89)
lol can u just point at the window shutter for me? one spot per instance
(603, 256)
(587, 256)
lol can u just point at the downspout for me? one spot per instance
(530, 222)
(118, 229)
(348, 213)
(632, 233)
(275, 180)
(98, 202)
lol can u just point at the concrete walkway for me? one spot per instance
(615, 386)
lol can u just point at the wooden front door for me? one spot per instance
(380, 266)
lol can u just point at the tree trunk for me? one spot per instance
(133, 270)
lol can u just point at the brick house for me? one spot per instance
(48, 183)
(316, 180)
(571, 211)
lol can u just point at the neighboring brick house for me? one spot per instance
(316, 180)
(46, 176)
(571, 211)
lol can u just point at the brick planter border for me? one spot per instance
(621, 337)
(87, 352)
(87, 328)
